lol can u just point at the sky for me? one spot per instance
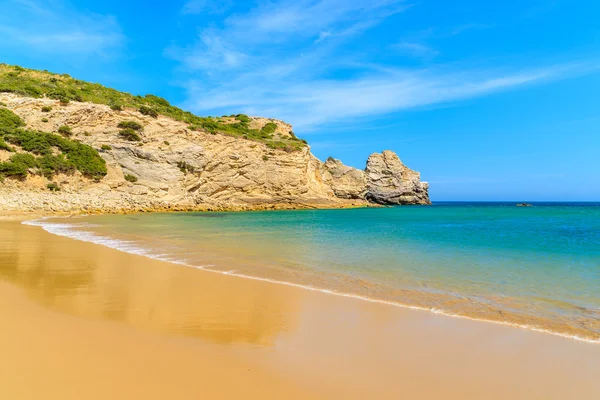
(489, 100)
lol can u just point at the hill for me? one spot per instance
(69, 145)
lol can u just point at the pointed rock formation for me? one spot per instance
(386, 180)
(389, 181)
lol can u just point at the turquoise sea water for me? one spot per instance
(532, 266)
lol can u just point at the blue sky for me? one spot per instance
(489, 100)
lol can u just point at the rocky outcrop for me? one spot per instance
(176, 168)
(346, 182)
(389, 181)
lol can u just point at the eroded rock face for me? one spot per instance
(346, 182)
(177, 168)
(389, 181)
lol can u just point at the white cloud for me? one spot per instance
(267, 32)
(317, 102)
(54, 27)
(211, 52)
(299, 61)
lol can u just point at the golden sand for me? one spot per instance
(79, 320)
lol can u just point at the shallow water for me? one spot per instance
(537, 267)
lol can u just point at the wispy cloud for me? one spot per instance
(321, 101)
(55, 27)
(298, 61)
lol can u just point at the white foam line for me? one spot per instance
(66, 230)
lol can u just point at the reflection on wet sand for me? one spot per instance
(86, 280)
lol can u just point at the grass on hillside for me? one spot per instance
(32, 83)
(45, 153)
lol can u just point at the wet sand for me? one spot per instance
(83, 321)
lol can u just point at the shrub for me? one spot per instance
(265, 158)
(44, 119)
(4, 146)
(116, 107)
(2, 104)
(86, 133)
(46, 109)
(145, 110)
(157, 100)
(24, 158)
(129, 134)
(9, 119)
(167, 143)
(130, 124)
(74, 155)
(269, 128)
(65, 130)
(105, 147)
(49, 165)
(131, 178)
(18, 166)
(242, 118)
(12, 170)
(53, 187)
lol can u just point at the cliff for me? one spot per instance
(63, 154)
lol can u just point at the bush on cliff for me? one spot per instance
(65, 130)
(130, 124)
(129, 134)
(9, 119)
(148, 111)
(72, 155)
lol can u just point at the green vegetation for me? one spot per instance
(242, 118)
(265, 158)
(167, 143)
(145, 110)
(105, 147)
(53, 187)
(37, 152)
(9, 120)
(65, 130)
(44, 119)
(46, 109)
(269, 128)
(129, 134)
(131, 125)
(4, 146)
(131, 178)
(64, 88)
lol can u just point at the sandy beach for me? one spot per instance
(84, 321)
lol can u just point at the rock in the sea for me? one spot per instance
(389, 181)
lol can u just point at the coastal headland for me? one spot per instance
(71, 146)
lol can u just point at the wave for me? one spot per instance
(76, 231)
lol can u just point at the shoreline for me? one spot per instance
(432, 310)
(104, 306)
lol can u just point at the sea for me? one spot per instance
(535, 267)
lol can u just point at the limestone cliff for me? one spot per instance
(173, 166)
